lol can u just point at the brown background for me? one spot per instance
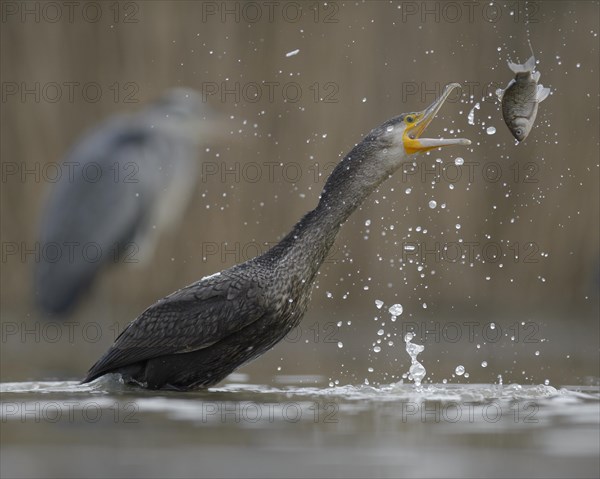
(377, 51)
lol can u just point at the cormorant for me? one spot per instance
(198, 335)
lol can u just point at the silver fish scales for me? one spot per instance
(521, 97)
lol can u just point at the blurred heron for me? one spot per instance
(121, 184)
(198, 335)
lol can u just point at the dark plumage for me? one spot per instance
(198, 335)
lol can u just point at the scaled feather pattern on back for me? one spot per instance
(192, 318)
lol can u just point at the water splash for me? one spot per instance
(417, 370)
(471, 115)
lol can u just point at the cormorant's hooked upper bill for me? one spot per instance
(416, 123)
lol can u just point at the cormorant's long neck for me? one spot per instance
(306, 247)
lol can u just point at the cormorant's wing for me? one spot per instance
(192, 318)
(102, 199)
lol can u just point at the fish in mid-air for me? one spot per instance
(521, 97)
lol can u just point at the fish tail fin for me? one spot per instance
(536, 76)
(528, 66)
(541, 93)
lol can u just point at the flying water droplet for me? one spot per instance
(471, 115)
(417, 370)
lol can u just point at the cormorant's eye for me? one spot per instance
(409, 119)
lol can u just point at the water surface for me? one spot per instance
(299, 427)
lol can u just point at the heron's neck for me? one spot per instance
(308, 244)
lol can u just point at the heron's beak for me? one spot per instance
(413, 143)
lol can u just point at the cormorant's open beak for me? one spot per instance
(413, 143)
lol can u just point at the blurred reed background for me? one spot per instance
(365, 62)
